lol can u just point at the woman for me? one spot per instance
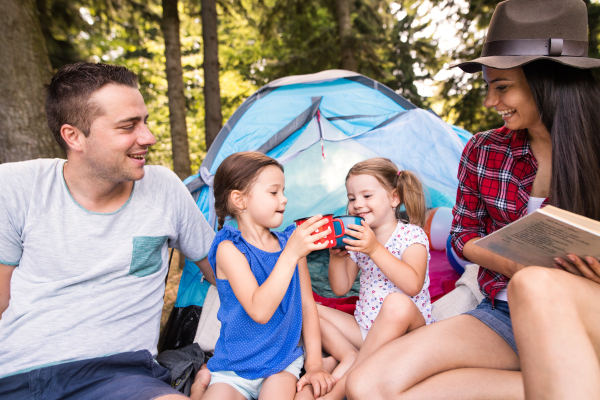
(546, 153)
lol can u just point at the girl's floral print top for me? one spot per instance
(375, 286)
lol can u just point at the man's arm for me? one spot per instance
(206, 270)
(5, 275)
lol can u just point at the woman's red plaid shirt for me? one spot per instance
(495, 175)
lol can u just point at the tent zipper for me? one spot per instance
(320, 133)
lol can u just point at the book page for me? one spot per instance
(538, 238)
(575, 219)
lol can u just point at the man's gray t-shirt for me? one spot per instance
(88, 284)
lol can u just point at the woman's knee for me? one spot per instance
(533, 285)
(361, 384)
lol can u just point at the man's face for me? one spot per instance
(119, 138)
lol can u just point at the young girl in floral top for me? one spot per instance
(393, 256)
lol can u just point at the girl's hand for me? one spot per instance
(590, 268)
(339, 253)
(365, 242)
(321, 381)
(301, 242)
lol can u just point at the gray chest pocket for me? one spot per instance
(146, 258)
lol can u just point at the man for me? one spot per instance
(84, 248)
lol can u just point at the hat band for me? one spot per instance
(535, 47)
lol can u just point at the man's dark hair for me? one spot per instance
(69, 92)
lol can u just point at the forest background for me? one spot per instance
(197, 60)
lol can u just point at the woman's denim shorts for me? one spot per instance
(497, 318)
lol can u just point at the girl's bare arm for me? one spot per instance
(342, 271)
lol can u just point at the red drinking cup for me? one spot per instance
(331, 238)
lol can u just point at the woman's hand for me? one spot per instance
(590, 268)
(366, 241)
(321, 381)
(301, 242)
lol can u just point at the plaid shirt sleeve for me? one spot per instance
(468, 222)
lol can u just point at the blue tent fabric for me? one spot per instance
(318, 126)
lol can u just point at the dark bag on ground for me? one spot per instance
(183, 363)
(180, 329)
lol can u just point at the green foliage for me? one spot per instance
(301, 36)
(463, 96)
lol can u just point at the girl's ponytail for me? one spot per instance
(221, 222)
(411, 194)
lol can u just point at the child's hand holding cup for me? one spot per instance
(310, 235)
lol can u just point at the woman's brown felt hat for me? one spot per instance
(522, 31)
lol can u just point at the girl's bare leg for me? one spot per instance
(281, 386)
(329, 363)
(444, 360)
(340, 337)
(555, 318)
(398, 315)
(222, 391)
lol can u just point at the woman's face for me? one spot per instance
(509, 93)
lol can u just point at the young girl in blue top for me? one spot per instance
(264, 288)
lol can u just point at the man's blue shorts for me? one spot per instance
(125, 376)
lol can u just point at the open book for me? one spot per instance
(539, 237)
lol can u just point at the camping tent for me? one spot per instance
(318, 126)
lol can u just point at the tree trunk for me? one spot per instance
(177, 109)
(342, 8)
(213, 119)
(25, 68)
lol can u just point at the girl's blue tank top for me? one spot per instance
(250, 349)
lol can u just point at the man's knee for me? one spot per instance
(533, 285)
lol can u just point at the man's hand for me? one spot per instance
(321, 381)
(207, 271)
(590, 268)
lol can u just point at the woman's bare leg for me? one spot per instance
(422, 365)
(398, 315)
(557, 328)
(340, 337)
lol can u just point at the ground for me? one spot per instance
(171, 290)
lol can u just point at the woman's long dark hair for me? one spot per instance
(568, 100)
